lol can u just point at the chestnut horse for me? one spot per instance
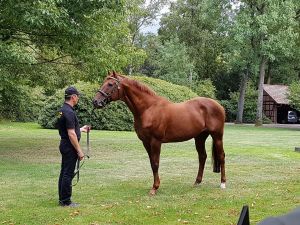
(157, 121)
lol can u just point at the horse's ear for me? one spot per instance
(114, 73)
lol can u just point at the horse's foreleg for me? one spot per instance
(200, 146)
(153, 150)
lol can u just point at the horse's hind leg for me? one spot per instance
(200, 146)
(219, 156)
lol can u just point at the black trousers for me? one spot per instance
(68, 163)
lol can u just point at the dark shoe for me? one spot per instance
(73, 205)
(69, 204)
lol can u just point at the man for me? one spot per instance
(70, 132)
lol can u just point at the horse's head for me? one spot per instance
(109, 91)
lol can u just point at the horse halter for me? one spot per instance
(107, 99)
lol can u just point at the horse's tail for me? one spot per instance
(215, 160)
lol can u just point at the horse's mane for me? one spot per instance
(139, 85)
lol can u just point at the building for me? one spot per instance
(275, 103)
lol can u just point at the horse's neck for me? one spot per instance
(138, 101)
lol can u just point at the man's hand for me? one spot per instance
(80, 155)
(85, 128)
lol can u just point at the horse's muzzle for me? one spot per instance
(98, 104)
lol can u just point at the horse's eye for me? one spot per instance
(110, 84)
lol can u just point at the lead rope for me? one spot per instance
(87, 155)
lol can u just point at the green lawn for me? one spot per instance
(261, 164)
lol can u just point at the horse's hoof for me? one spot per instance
(223, 185)
(197, 184)
(152, 192)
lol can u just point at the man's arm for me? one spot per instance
(73, 138)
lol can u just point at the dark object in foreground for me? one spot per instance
(291, 218)
(244, 216)
(297, 149)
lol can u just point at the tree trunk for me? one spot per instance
(262, 67)
(241, 102)
(269, 73)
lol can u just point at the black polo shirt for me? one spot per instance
(68, 120)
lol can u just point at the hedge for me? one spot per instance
(20, 102)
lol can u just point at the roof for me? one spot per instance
(278, 92)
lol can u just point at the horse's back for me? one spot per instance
(185, 120)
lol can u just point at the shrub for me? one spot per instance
(20, 102)
(115, 116)
(173, 92)
(205, 88)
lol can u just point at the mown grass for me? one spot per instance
(261, 164)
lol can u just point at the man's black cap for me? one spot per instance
(71, 91)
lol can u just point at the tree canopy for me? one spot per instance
(220, 44)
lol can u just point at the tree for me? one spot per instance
(249, 109)
(294, 95)
(276, 36)
(57, 42)
(140, 13)
(241, 57)
(173, 63)
(200, 26)
(265, 31)
(151, 44)
(38, 32)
